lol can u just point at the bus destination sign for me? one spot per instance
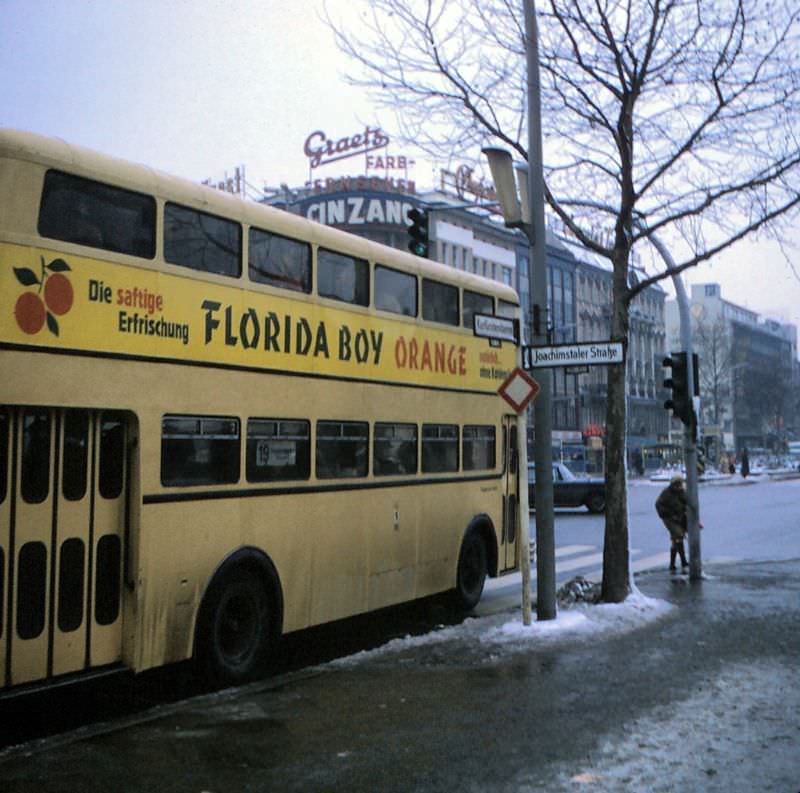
(501, 328)
(593, 353)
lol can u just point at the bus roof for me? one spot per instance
(57, 153)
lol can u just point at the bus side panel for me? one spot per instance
(393, 546)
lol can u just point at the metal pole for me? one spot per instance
(524, 515)
(689, 440)
(542, 411)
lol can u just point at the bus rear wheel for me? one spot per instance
(234, 631)
(471, 572)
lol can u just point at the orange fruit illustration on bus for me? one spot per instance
(53, 297)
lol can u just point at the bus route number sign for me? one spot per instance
(518, 389)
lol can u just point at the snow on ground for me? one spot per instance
(498, 633)
(733, 732)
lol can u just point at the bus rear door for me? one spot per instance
(62, 522)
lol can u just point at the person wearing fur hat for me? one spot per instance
(671, 508)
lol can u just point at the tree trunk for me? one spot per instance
(616, 553)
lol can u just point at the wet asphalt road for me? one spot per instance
(705, 699)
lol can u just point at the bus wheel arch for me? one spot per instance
(477, 559)
(240, 618)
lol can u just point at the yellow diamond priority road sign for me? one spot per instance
(518, 389)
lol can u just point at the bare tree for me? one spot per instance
(713, 346)
(670, 117)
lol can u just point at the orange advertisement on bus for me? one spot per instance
(80, 304)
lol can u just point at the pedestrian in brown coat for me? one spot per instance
(671, 508)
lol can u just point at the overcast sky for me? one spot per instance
(198, 87)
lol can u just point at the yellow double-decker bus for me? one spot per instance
(221, 422)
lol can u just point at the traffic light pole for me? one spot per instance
(690, 431)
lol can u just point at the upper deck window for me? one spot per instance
(475, 303)
(342, 277)
(203, 242)
(74, 209)
(279, 261)
(439, 302)
(395, 291)
(506, 309)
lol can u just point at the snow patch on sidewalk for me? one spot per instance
(575, 623)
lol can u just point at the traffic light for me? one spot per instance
(418, 232)
(681, 402)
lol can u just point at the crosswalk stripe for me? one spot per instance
(568, 550)
(580, 561)
(650, 561)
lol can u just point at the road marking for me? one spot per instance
(657, 560)
(568, 550)
(580, 561)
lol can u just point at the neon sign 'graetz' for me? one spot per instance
(321, 150)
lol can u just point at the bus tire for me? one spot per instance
(471, 572)
(235, 629)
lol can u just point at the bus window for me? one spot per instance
(31, 589)
(439, 302)
(203, 242)
(394, 449)
(479, 448)
(35, 482)
(474, 303)
(71, 566)
(278, 449)
(112, 455)
(85, 212)
(395, 291)
(439, 448)
(199, 450)
(279, 261)
(76, 454)
(506, 309)
(342, 449)
(342, 277)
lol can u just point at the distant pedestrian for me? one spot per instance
(671, 508)
(745, 468)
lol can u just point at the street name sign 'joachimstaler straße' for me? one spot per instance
(584, 354)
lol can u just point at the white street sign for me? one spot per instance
(585, 354)
(491, 327)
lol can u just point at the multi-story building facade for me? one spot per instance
(748, 372)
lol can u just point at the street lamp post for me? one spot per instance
(526, 212)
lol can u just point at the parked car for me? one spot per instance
(570, 490)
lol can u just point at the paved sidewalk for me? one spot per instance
(705, 698)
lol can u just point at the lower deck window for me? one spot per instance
(394, 449)
(342, 449)
(439, 448)
(199, 450)
(479, 447)
(278, 449)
